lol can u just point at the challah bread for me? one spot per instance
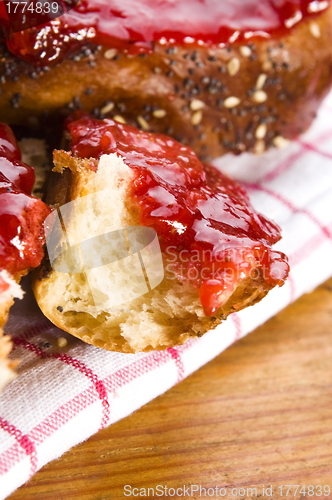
(215, 249)
(217, 76)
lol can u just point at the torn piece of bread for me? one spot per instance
(106, 302)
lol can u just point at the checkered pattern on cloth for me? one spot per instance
(64, 395)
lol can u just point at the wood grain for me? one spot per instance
(259, 414)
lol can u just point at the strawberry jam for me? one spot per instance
(21, 215)
(208, 231)
(133, 25)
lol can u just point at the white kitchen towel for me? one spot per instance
(63, 395)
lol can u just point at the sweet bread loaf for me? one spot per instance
(104, 286)
(219, 76)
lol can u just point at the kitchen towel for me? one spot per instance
(63, 395)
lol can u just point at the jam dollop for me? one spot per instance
(208, 231)
(133, 25)
(21, 215)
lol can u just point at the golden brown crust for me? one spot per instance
(186, 93)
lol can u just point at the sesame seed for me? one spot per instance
(197, 117)
(261, 81)
(245, 51)
(110, 53)
(60, 309)
(259, 96)
(107, 108)
(196, 104)
(47, 345)
(231, 102)
(267, 66)
(259, 147)
(233, 66)
(120, 119)
(261, 131)
(280, 142)
(156, 70)
(62, 342)
(314, 29)
(159, 113)
(143, 123)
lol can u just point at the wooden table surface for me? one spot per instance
(259, 414)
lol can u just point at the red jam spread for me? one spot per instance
(133, 25)
(208, 231)
(21, 215)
